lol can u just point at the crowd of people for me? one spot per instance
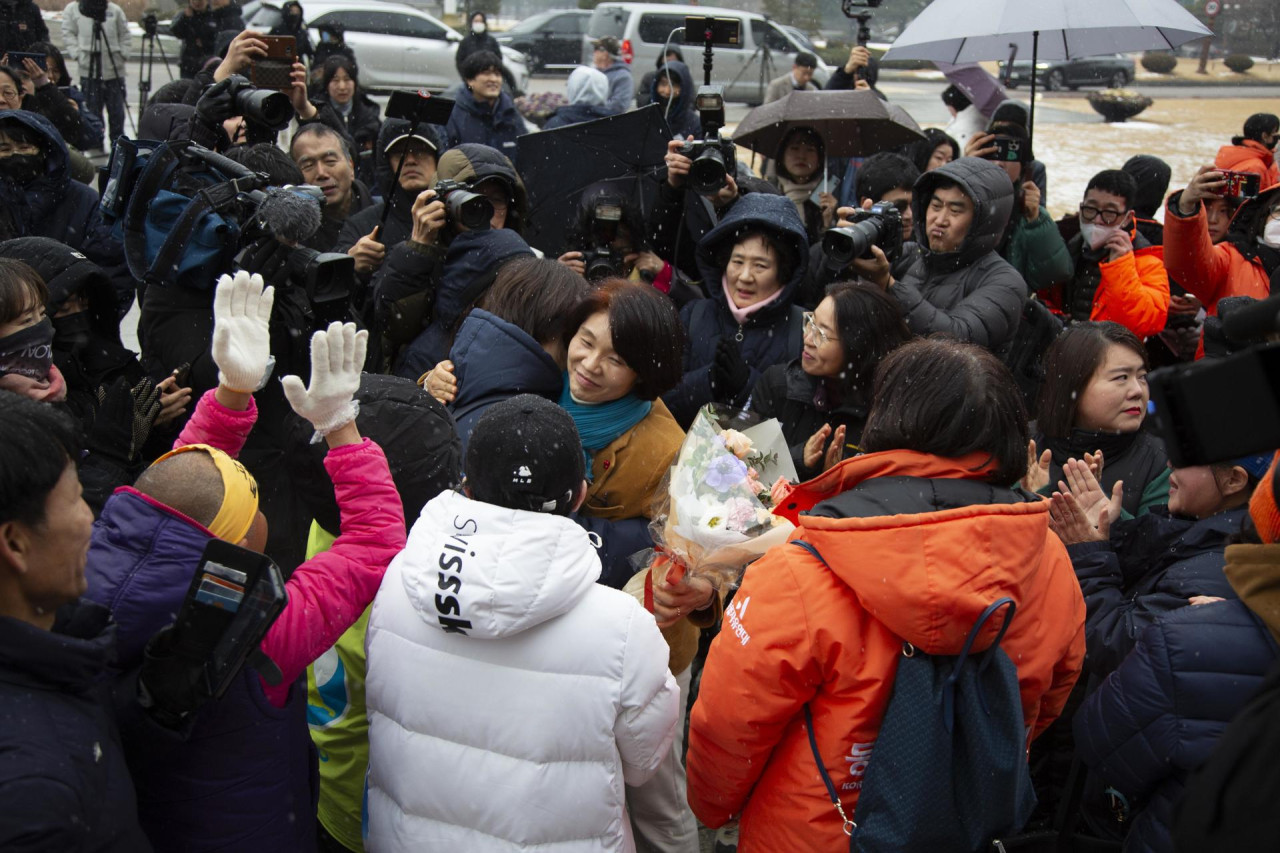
(454, 440)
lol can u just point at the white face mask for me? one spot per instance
(1271, 234)
(1095, 235)
(478, 29)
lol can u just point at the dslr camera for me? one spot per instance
(95, 9)
(601, 259)
(712, 156)
(264, 107)
(881, 225)
(463, 206)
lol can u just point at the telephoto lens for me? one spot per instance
(264, 106)
(464, 207)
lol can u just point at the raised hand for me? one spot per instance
(337, 358)
(241, 339)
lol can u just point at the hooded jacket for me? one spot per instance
(1158, 717)
(53, 205)
(543, 682)
(587, 90)
(769, 335)
(420, 291)
(972, 293)
(496, 125)
(622, 90)
(915, 547)
(1249, 155)
(63, 779)
(682, 118)
(1238, 266)
(245, 777)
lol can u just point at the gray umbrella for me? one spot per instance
(852, 123)
(970, 30)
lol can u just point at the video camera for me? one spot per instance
(464, 206)
(1219, 409)
(601, 259)
(150, 25)
(95, 9)
(880, 225)
(712, 155)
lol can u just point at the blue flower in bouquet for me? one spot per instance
(725, 472)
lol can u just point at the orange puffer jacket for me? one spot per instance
(916, 547)
(1216, 271)
(1250, 156)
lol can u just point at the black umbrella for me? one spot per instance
(624, 152)
(852, 123)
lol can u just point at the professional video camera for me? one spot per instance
(95, 9)
(1219, 409)
(880, 225)
(464, 206)
(601, 259)
(150, 25)
(712, 155)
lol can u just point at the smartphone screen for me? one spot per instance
(16, 57)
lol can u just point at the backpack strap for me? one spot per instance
(949, 686)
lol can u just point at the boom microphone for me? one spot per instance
(292, 215)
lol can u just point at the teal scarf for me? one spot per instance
(600, 424)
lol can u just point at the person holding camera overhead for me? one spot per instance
(102, 77)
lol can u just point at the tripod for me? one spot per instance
(95, 72)
(149, 44)
(766, 65)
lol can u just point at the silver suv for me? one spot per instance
(766, 52)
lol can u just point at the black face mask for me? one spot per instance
(22, 168)
(28, 352)
(72, 331)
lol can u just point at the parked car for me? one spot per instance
(766, 51)
(397, 46)
(1113, 71)
(549, 39)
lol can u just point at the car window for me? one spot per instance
(264, 18)
(607, 21)
(766, 32)
(410, 26)
(359, 22)
(529, 25)
(655, 28)
(563, 25)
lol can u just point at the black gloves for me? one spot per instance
(729, 373)
(218, 103)
(124, 419)
(269, 258)
(172, 684)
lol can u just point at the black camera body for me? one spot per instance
(95, 9)
(464, 206)
(880, 225)
(264, 107)
(712, 156)
(150, 25)
(603, 262)
(601, 259)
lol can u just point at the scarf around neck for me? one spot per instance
(741, 315)
(798, 193)
(600, 424)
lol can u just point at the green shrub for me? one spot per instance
(1159, 63)
(1238, 62)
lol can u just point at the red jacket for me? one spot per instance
(1133, 290)
(327, 593)
(1210, 271)
(1250, 156)
(829, 635)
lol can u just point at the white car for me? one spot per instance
(396, 46)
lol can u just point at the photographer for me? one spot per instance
(50, 95)
(108, 86)
(21, 25)
(430, 280)
(1243, 263)
(197, 26)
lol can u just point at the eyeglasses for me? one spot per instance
(811, 327)
(1109, 217)
(8, 93)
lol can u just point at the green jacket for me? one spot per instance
(1037, 251)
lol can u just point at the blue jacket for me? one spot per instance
(64, 784)
(622, 89)
(496, 126)
(768, 334)
(1158, 717)
(470, 264)
(1151, 566)
(494, 360)
(576, 114)
(245, 779)
(682, 118)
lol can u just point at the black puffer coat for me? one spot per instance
(972, 293)
(770, 336)
(803, 404)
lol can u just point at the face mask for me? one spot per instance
(478, 29)
(1271, 234)
(72, 331)
(28, 352)
(1095, 235)
(21, 168)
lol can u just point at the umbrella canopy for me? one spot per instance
(977, 83)
(624, 151)
(853, 123)
(970, 30)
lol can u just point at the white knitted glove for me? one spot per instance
(241, 343)
(337, 357)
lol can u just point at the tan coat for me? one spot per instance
(627, 474)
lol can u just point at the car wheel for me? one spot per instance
(1054, 81)
(1118, 80)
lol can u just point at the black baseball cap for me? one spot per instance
(525, 453)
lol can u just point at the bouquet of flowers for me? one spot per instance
(539, 106)
(715, 517)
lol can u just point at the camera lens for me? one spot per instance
(600, 268)
(707, 174)
(469, 209)
(264, 106)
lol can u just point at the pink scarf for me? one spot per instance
(741, 315)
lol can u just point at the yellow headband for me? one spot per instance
(239, 494)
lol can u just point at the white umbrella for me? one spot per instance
(970, 30)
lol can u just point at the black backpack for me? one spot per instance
(949, 767)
